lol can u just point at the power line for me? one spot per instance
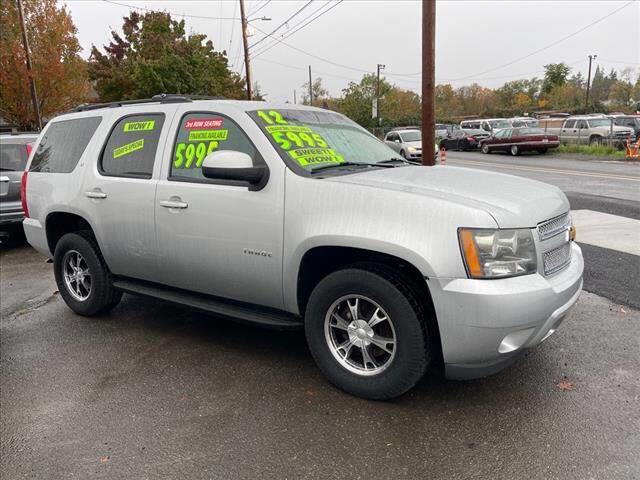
(145, 9)
(282, 24)
(278, 40)
(256, 10)
(233, 27)
(553, 44)
(529, 54)
(265, 47)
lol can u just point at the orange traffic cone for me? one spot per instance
(632, 153)
(443, 156)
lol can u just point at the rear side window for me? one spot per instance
(200, 134)
(13, 157)
(132, 145)
(63, 144)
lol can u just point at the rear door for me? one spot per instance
(119, 191)
(569, 132)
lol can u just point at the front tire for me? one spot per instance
(542, 151)
(402, 154)
(485, 149)
(82, 276)
(367, 332)
(515, 151)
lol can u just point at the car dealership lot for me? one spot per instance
(153, 390)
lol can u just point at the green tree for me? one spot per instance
(357, 99)
(60, 73)
(555, 74)
(155, 55)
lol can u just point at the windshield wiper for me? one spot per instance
(394, 159)
(349, 164)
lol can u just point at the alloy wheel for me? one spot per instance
(77, 278)
(360, 335)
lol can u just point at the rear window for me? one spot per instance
(63, 144)
(13, 157)
(131, 148)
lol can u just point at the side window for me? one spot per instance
(132, 145)
(200, 134)
(569, 124)
(583, 124)
(63, 144)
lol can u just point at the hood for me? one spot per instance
(512, 201)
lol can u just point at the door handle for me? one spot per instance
(173, 203)
(95, 194)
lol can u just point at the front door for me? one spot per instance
(217, 237)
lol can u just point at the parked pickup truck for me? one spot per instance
(587, 130)
(296, 217)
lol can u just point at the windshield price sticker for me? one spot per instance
(204, 123)
(198, 135)
(128, 148)
(301, 143)
(139, 126)
(316, 156)
(186, 153)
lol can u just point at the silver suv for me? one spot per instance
(14, 151)
(296, 217)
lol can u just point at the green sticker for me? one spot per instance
(199, 135)
(128, 148)
(139, 126)
(287, 128)
(315, 156)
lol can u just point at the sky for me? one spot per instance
(487, 42)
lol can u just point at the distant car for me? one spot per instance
(14, 152)
(464, 139)
(518, 122)
(518, 140)
(408, 143)
(487, 124)
(631, 121)
(442, 130)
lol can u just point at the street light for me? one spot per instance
(380, 67)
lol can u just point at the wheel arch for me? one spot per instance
(59, 223)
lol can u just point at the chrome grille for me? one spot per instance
(553, 227)
(556, 259)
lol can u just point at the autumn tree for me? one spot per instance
(155, 55)
(59, 71)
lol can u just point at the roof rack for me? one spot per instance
(161, 98)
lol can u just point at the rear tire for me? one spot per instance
(333, 339)
(514, 150)
(485, 149)
(83, 278)
(595, 140)
(542, 151)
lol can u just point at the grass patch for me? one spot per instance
(594, 150)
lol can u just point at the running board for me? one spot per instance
(266, 317)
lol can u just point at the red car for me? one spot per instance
(517, 140)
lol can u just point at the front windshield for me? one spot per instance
(499, 124)
(600, 122)
(311, 139)
(411, 136)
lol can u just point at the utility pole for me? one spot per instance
(428, 80)
(380, 67)
(310, 88)
(244, 21)
(32, 82)
(586, 105)
(295, 100)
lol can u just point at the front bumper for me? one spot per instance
(486, 324)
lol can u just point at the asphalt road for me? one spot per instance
(153, 390)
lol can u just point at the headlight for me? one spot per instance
(490, 253)
(412, 149)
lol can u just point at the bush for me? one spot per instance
(595, 150)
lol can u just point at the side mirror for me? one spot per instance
(235, 166)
